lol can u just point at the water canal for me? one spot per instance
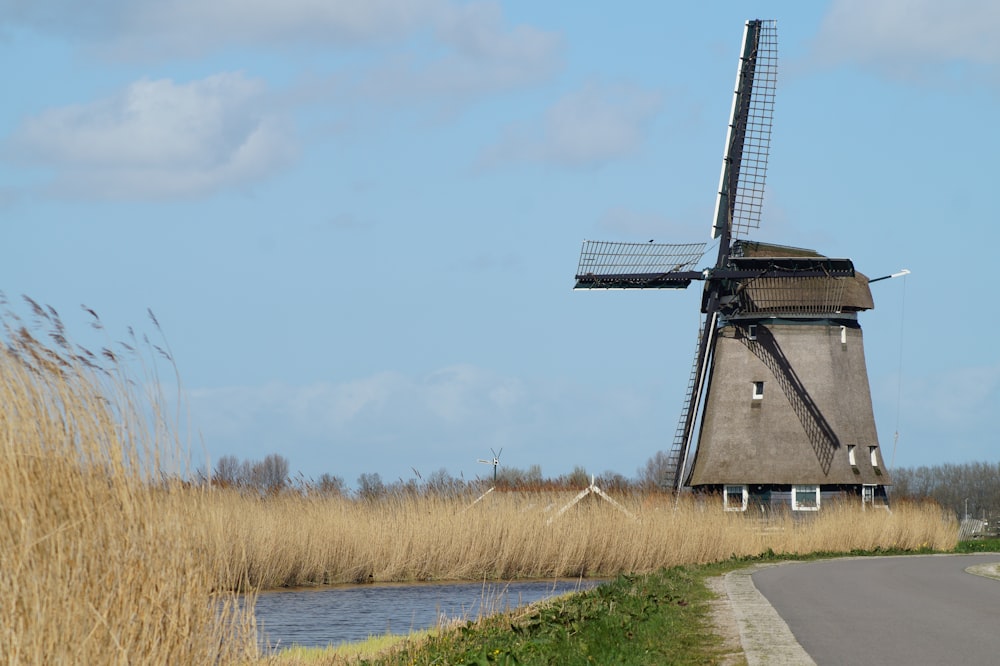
(318, 617)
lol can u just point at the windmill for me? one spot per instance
(495, 461)
(779, 378)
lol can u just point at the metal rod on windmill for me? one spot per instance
(901, 273)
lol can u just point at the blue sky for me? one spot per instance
(358, 221)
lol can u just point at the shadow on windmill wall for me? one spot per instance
(821, 436)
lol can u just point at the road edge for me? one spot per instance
(765, 637)
(985, 570)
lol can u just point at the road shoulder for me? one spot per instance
(765, 638)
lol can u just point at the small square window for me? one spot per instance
(752, 331)
(805, 498)
(758, 390)
(735, 498)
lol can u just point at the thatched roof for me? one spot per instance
(800, 295)
(816, 404)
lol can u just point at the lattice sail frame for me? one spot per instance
(785, 295)
(746, 186)
(613, 258)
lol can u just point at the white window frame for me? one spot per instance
(868, 494)
(758, 390)
(725, 497)
(752, 332)
(805, 490)
(873, 453)
(851, 457)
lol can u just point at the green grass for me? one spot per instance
(366, 649)
(659, 618)
(978, 546)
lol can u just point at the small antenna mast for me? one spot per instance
(495, 462)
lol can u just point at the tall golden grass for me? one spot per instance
(108, 556)
(97, 562)
(293, 540)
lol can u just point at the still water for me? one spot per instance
(331, 615)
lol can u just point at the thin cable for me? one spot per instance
(899, 374)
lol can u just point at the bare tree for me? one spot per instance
(271, 474)
(972, 488)
(656, 471)
(578, 478)
(227, 471)
(330, 485)
(370, 486)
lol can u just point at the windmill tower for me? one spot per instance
(779, 377)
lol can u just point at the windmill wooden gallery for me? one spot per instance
(778, 411)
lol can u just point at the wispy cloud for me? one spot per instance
(158, 138)
(456, 413)
(916, 40)
(473, 47)
(165, 139)
(591, 126)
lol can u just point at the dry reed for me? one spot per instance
(291, 540)
(98, 564)
(104, 561)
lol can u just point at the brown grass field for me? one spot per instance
(107, 556)
(294, 540)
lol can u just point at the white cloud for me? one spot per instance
(903, 37)
(477, 30)
(389, 422)
(131, 28)
(591, 126)
(158, 138)
(436, 52)
(474, 32)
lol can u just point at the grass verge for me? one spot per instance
(978, 546)
(656, 618)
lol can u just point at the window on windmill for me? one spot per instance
(867, 494)
(752, 331)
(850, 455)
(805, 498)
(758, 390)
(735, 498)
(873, 452)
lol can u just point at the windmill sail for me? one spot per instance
(748, 139)
(737, 206)
(609, 265)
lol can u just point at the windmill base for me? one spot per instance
(800, 499)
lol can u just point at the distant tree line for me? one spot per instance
(957, 487)
(972, 487)
(271, 476)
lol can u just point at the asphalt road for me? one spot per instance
(888, 610)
